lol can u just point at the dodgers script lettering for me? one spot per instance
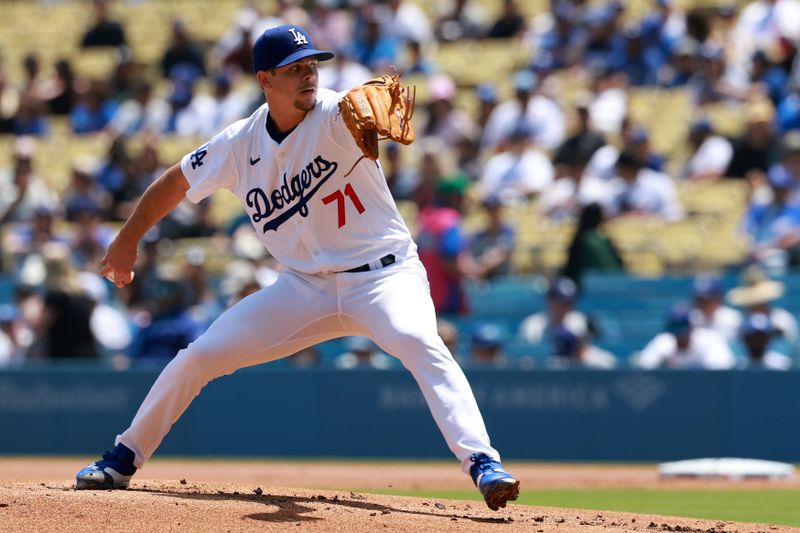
(291, 197)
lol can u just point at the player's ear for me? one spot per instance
(264, 79)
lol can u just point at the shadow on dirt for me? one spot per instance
(296, 508)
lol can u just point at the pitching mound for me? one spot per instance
(155, 505)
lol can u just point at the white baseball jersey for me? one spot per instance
(308, 215)
(707, 349)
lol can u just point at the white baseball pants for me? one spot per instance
(391, 306)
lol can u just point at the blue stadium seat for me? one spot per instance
(511, 296)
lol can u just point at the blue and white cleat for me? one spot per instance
(496, 485)
(113, 471)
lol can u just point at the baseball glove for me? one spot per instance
(382, 106)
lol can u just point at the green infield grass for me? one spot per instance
(768, 506)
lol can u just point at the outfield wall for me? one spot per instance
(575, 415)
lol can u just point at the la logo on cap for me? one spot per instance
(299, 38)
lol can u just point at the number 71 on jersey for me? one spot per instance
(339, 197)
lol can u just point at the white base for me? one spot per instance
(727, 467)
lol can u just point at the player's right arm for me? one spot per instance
(197, 175)
(158, 200)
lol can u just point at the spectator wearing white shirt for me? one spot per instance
(711, 153)
(574, 186)
(331, 27)
(575, 351)
(709, 311)
(560, 312)
(682, 346)
(141, 112)
(343, 73)
(642, 191)
(756, 294)
(609, 105)
(757, 333)
(460, 19)
(22, 191)
(764, 23)
(541, 113)
(517, 173)
(227, 105)
(406, 21)
(637, 140)
(15, 337)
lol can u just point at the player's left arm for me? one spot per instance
(379, 109)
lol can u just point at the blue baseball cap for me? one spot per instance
(488, 335)
(637, 135)
(524, 80)
(8, 313)
(544, 61)
(486, 92)
(701, 125)
(780, 178)
(279, 46)
(706, 287)
(562, 289)
(678, 322)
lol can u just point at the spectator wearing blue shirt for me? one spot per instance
(489, 250)
(641, 68)
(774, 227)
(765, 72)
(171, 327)
(662, 28)
(83, 192)
(112, 175)
(372, 47)
(788, 112)
(681, 66)
(418, 62)
(710, 83)
(93, 110)
(637, 139)
(30, 118)
(564, 41)
(604, 44)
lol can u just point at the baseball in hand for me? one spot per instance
(110, 276)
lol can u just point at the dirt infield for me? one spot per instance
(269, 495)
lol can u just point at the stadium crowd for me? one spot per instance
(582, 160)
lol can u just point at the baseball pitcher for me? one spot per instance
(305, 168)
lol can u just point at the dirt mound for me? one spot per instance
(156, 505)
